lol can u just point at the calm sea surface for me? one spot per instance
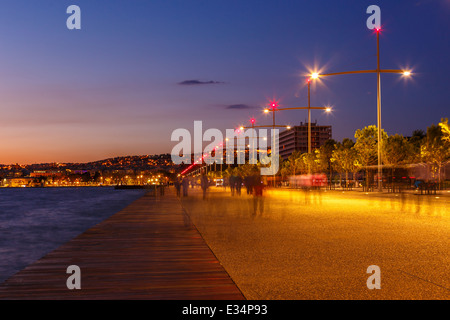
(35, 221)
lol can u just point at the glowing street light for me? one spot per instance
(274, 105)
(378, 71)
(309, 108)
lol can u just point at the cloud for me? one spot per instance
(197, 82)
(239, 106)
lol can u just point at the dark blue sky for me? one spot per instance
(115, 86)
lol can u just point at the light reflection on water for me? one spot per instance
(35, 221)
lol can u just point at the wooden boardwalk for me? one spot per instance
(149, 250)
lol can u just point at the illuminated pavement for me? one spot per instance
(319, 247)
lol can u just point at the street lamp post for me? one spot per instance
(378, 71)
(309, 122)
(309, 108)
(274, 107)
(380, 179)
(309, 115)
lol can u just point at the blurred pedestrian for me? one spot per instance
(238, 182)
(258, 197)
(185, 184)
(248, 183)
(204, 182)
(232, 180)
(177, 185)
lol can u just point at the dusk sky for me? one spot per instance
(137, 70)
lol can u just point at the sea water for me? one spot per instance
(35, 221)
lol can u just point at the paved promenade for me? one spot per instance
(149, 250)
(319, 246)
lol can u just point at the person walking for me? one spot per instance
(177, 185)
(258, 196)
(185, 184)
(248, 183)
(232, 181)
(204, 182)
(238, 182)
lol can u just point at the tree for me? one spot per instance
(291, 165)
(344, 157)
(436, 149)
(285, 170)
(288, 165)
(396, 150)
(324, 155)
(301, 163)
(367, 147)
(445, 129)
(247, 170)
(416, 141)
(309, 160)
(418, 135)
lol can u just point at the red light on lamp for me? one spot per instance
(274, 105)
(252, 120)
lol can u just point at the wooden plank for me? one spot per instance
(149, 250)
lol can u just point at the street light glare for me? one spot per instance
(406, 73)
(266, 110)
(274, 105)
(314, 75)
(328, 109)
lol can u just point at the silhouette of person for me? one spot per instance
(185, 184)
(232, 180)
(204, 182)
(238, 182)
(258, 197)
(177, 185)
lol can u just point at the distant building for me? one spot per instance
(45, 173)
(296, 138)
(17, 182)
